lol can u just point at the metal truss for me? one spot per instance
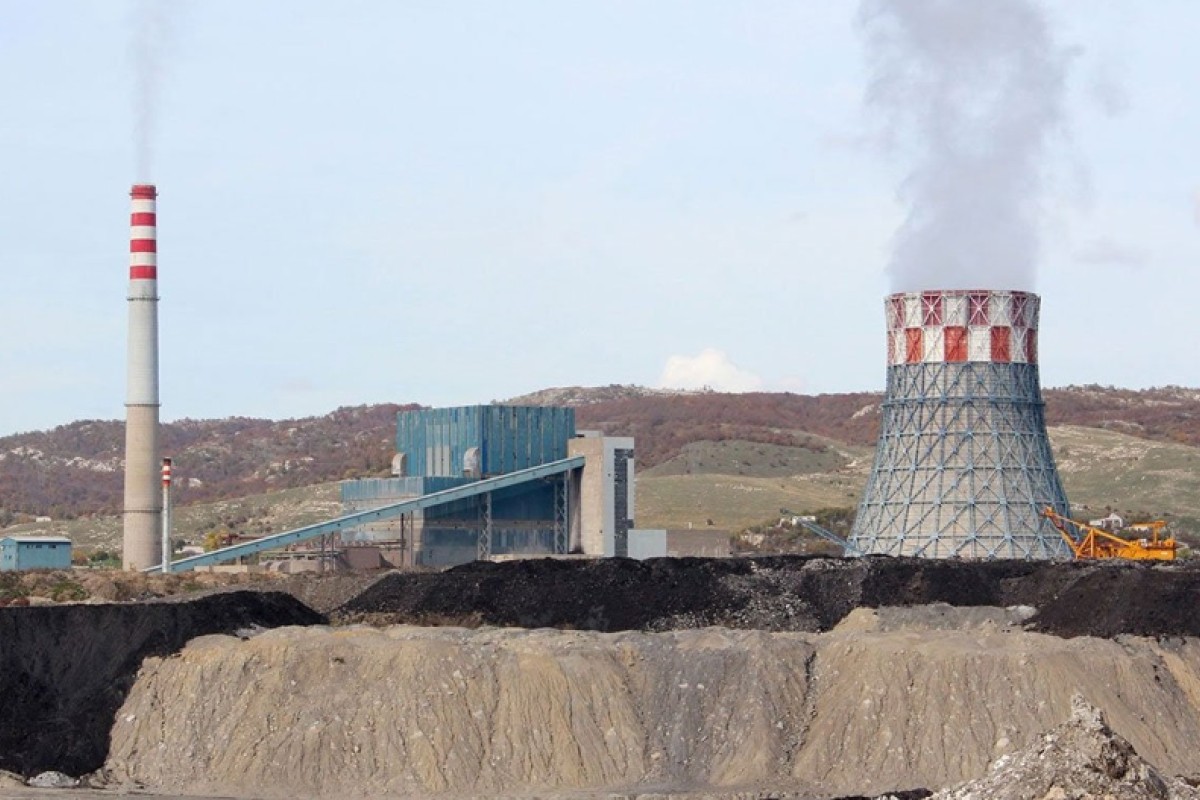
(963, 467)
(357, 518)
(561, 514)
(485, 533)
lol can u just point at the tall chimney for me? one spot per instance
(963, 467)
(143, 501)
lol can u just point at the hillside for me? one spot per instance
(734, 485)
(254, 514)
(76, 470)
(734, 459)
(663, 424)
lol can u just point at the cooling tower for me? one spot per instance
(963, 466)
(143, 500)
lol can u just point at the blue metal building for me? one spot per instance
(442, 448)
(34, 552)
(481, 441)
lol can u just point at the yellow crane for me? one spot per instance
(1088, 541)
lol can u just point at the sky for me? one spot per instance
(457, 202)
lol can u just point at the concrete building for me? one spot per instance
(603, 521)
(1113, 523)
(586, 509)
(34, 552)
(679, 543)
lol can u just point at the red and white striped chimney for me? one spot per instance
(143, 500)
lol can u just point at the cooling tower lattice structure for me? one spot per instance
(963, 466)
(143, 500)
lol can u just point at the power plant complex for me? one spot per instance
(586, 509)
(476, 482)
(963, 467)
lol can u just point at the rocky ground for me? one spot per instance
(320, 591)
(887, 702)
(799, 677)
(1081, 758)
(46, 587)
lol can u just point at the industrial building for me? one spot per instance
(476, 482)
(963, 467)
(34, 552)
(586, 509)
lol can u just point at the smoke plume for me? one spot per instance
(151, 33)
(968, 95)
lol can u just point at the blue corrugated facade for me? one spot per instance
(369, 491)
(33, 552)
(526, 502)
(436, 441)
(447, 447)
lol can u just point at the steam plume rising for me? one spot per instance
(150, 36)
(969, 92)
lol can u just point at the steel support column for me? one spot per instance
(485, 535)
(561, 513)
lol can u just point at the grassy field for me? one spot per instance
(751, 458)
(1134, 476)
(738, 484)
(1099, 469)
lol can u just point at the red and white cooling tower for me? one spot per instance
(143, 500)
(964, 467)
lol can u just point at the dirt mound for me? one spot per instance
(354, 712)
(783, 594)
(66, 669)
(326, 592)
(1081, 758)
(34, 587)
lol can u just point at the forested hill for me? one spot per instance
(663, 423)
(76, 469)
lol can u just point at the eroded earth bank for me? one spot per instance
(789, 677)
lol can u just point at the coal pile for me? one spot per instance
(1127, 598)
(600, 595)
(66, 669)
(785, 593)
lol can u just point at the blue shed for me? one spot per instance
(35, 552)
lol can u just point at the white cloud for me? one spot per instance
(711, 369)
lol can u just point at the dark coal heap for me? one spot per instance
(786, 593)
(66, 669)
